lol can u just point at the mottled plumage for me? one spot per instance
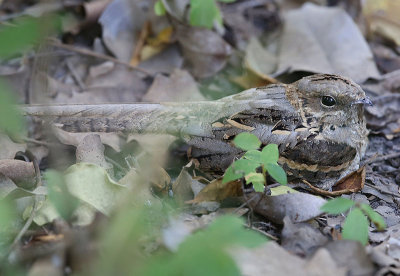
(317, 123)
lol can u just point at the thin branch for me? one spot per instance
(35, 204)
(87, 52)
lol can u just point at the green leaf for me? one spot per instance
(257, 179)
(337, 206)
(159, 8)
(376, 218)
(11, 120)
(25, 33)
(239, 169)
(270, 154)
(247, 141)
(230, 175)
(259, 186)
(59, 195)
(277, 173)
(254, 155)
(7, 213)
(203, 13)
(244, 166)
(355, 227)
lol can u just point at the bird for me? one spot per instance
(317, 123)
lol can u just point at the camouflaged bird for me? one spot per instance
(317, 123)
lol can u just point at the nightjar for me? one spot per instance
(317, 123)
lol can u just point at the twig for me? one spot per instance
(87, 52)
(35, 204)
(244, 204)
(75, 76)
(265, 233)
(382, 191)
(375, 159)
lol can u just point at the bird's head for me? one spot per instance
(331, 99)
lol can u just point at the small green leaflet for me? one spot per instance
(254, 155)
(239, 169)
(11, 120)
(257, 179)
(247, 141)
(376, 218)
(159, 8)
(355, 227)
(277, 173)
(270, 154)
(337, 206)
(202, 13)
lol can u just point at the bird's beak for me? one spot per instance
(366, 101)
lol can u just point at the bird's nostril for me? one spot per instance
(366, 101)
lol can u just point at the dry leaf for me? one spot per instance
(351, 183)
(299, 207)
(259, 60)
(20, 172)
(205, 51)
(216, 191)
(179, 87)
(325, 40)
(182, 186)
(383, 18)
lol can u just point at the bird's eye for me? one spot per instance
(328, 101)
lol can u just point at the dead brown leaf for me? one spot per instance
(351, 183)
(216, 191)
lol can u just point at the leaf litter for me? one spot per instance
(177, 68)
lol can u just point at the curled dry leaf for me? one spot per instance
(351, 183)
(20, 172)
